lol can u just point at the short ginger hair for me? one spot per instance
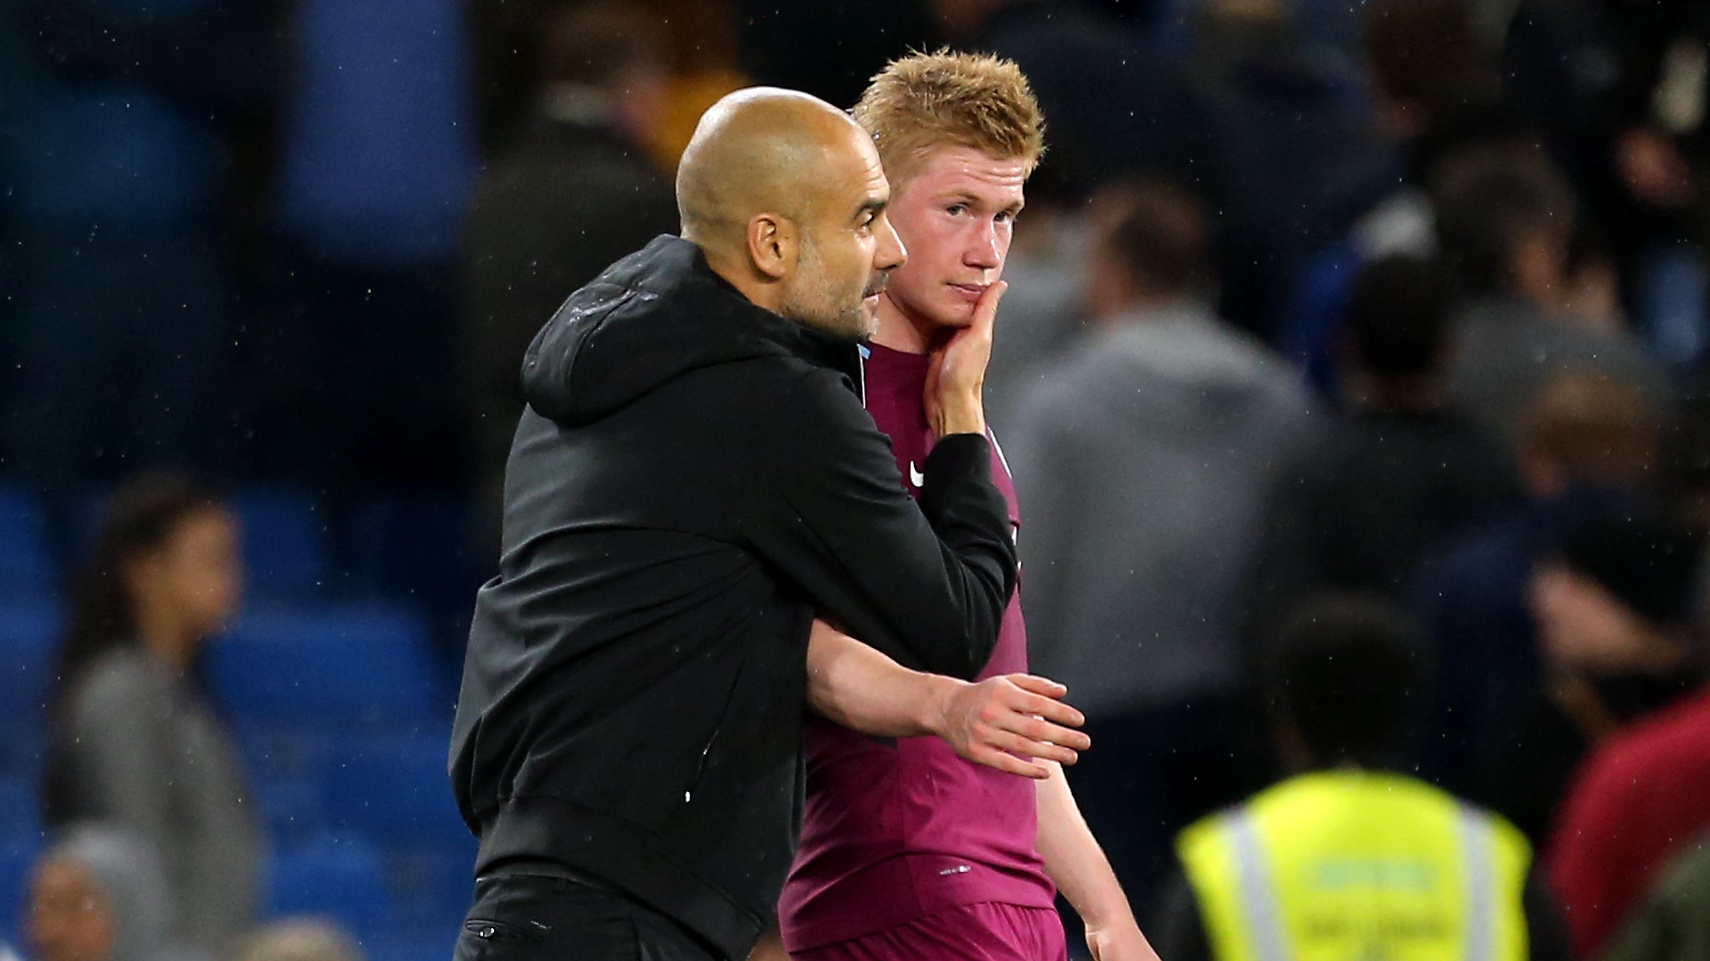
(925, 101)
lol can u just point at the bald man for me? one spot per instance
(693, 479)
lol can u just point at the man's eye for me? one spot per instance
(956, 210)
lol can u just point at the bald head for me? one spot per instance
(765, 150)
(786, 196)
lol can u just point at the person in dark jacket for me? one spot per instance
(693, 480)
(573, 192)
(1612, 604)
(1358, 503)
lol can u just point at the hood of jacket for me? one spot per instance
(648, 319)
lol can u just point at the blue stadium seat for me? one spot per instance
(332, 668)
(417, 947)
(27, 567)
(395, 790)
(16, 857)
(285, 542)
(339, 878)
(28, 633)
(283, 753)
(433, 886)
(20, 814)
(292, 810)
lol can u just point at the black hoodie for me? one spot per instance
(694, 478)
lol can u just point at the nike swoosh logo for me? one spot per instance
(915, 477)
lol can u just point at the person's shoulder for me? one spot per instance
(1668, 743)
(1636, 767)
(1058, 383)
(120, 684)
(805, 403)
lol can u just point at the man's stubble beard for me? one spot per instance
(811, 301)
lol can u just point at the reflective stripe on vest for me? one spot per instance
(1478, 852)
(1264, 918)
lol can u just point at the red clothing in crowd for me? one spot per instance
(1637, 801)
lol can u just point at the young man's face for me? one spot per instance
(956, 215)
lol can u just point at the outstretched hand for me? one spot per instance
(1011, 723)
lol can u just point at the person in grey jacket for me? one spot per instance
(133, 741)
(1145, 456)
(1505, 226)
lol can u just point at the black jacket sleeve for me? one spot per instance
(926, 585)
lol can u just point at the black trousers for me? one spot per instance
(524, 917)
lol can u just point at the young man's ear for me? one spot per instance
(773, 244)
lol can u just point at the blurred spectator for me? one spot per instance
(133, 739)
(1289, 139)
(1505, 222)
(1612, 607)
(570, 196)
(1672, 923)
(300, 939)
(99, 894)
(1043, 314)
(1621, 89)
(1144, 454)
(1638, 801)
(705, 66)
(114, 149)
(1586, 444)
(1433, 89)
(1143, 120)
(1348, 858)
(1358, 505)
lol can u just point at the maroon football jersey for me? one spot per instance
(896, 830)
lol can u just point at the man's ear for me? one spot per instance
(773, 245)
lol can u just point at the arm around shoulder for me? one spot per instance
(925, 584)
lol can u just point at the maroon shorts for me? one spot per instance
(988, 931)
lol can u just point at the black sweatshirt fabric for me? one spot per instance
(694, 479)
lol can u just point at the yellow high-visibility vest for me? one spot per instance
(1352, 865)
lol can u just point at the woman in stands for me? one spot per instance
(133, 739)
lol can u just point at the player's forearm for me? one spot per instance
(864, 690)
(1073, 858)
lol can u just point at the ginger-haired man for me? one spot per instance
(909, 851)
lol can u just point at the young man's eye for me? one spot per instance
(956, 210)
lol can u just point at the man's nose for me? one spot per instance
(889, 253)
(983, 250)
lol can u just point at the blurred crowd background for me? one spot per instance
(1406, 298)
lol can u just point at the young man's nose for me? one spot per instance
(889, 253)
(983, 249)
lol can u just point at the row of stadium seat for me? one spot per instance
(349, 667)
(294, 548)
